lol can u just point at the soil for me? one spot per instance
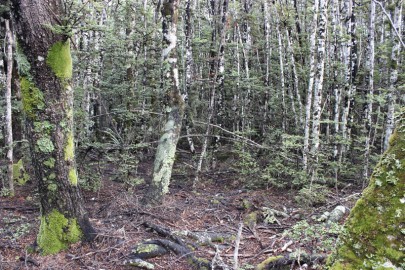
(118, 216)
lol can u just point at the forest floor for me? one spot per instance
(119, 219)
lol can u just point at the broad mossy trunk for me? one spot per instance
(375, 231)
(47, 98)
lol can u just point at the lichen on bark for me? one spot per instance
(374, 235)
(57, 232)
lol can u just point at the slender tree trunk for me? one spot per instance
(165, 154)
(394, 61)
(8, 118)
(188, 23)
(308, 105)
(322, 28)
(369, 91)
(47, 98)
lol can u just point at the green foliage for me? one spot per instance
(321, 238)
(15, 227)
(314, 195)
(246, 164)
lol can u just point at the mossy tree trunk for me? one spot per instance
(47, 96)
(166, 150)
(375, 231)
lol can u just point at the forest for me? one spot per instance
(190, 134)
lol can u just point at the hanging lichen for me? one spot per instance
(375, 232)
(57, 232)
(60, 60)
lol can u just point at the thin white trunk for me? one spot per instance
(308, 105)
(394, 61)
(9, 127)
(369, 90)
(319, 77)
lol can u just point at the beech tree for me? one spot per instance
(165, 153)
(45, 68)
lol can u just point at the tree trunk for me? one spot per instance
(394, 61)
(319, 83)
(308, 105)
(374, 236)
(8, 118)
(166, 150)
(369, 92)
(47, 98)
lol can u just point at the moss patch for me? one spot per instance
(73, 177)
(264, 263)
(373, 235)
(60, 60)
(70, 148)
(57, 232)
(32, 98)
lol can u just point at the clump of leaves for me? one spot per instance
(312, 196)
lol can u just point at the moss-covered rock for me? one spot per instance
(57, 232)
(375, 231)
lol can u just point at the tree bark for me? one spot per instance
(47, 98)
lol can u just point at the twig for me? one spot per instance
(286, 245)
(237, 242)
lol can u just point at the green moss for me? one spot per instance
(45, 145)
(52, 176)
(373, 237)
(70, 148)
(251, 219)
(73, 177)
(263, 264)
(57, 232)
(50, 162)
(32, 98)
(20, 176)
(145, 248)
(60, 60)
